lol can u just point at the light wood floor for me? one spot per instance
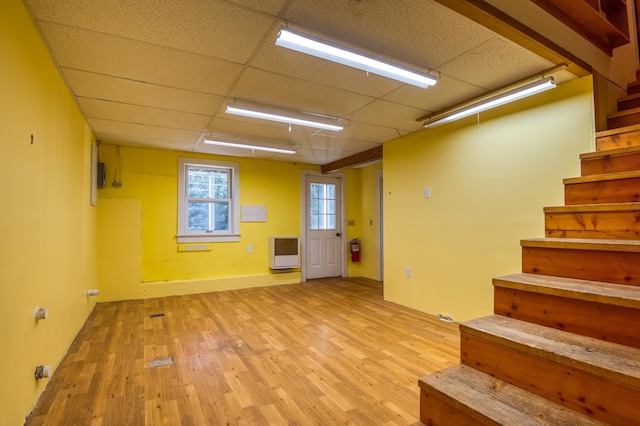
(322, 353)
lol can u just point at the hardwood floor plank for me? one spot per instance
(325, 352)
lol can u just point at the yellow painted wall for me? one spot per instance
(139, 219)
(363, 194)
(47, 225)
(489, 184)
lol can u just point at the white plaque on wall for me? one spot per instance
(254, 213)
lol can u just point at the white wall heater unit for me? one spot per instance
(284, 252)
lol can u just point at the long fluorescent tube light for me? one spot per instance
(252, 147)
(311, 46)
(271, 116)
(500, 99)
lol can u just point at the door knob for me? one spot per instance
(338, 234)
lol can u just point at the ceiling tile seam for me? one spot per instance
(144, 106)
(62, 67)
(146, 125)
(141, 139)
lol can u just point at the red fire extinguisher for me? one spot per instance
(354, 246)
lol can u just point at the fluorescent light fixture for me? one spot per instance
(284, 117)
(348, 56)
(252, 147)
(494, 101)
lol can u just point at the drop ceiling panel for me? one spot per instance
(387, 114)
(495, 63)
(91, 85)
(340, 144)
(132, 130)
(296, 94)
(141, 142)
(190, 25)
(127, 113)
(272, 7)
(134, 60)
(375, 133)
(447, 92)
(419, 32)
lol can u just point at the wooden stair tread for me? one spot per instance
(583, 244)
(629, 97)
(618, 130)
(491, 401)
(592, 291)
(602, 177)
(593, 208)
(610, 152)
(623, 113)
(610, 361)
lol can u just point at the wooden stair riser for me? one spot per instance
(629, 119)
(610, 164)
(436, 412)
(623, 224)
(461, 395)
(605, 266)
(599, 320)
(581, 391)
(614, 140)
(600, 192)
(628, 103)
(633, 88)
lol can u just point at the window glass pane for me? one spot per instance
(197, 184)
(207, 183)
(331, 222)
(221, 218)
(331, 207)
(208, 216)
(322, 207)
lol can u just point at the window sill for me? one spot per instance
(228, 238)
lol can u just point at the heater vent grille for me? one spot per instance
(284, 252)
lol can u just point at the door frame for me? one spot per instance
(342, 218)
(380, 230)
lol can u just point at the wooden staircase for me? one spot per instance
(563, 345)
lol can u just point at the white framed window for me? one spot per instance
(208, 201)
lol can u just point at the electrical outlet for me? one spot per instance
(407, 272)
(250, 248)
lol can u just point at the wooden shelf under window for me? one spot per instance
(603, 22)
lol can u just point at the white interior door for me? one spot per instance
(324, 227)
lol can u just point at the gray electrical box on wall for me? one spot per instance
(101, 175)
(284, 252)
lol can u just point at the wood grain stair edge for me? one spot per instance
(610, 361)
(618, 131)
(602, 177)
(591, 291)
(593, 208)
(632, 246)
(492, 401)
(610, 152)
(624, 113)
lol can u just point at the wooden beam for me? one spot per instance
(498, 21)
(363, 157)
